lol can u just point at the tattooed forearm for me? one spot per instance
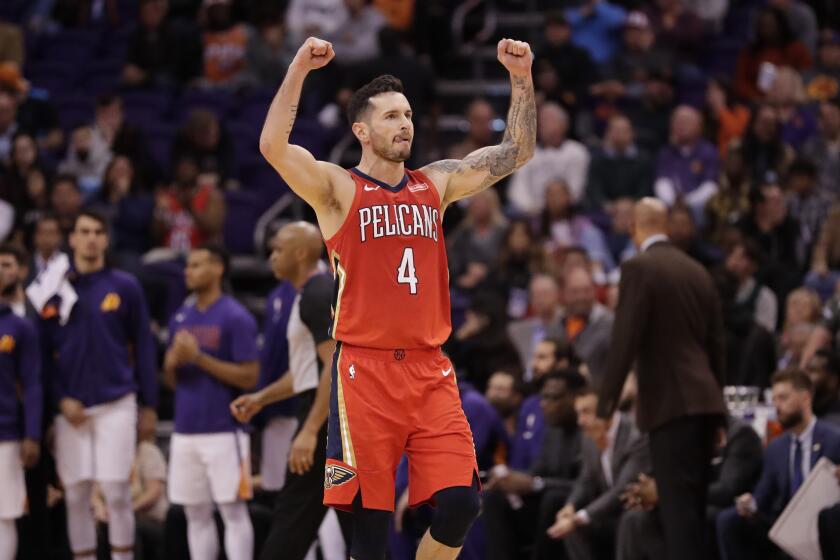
(292, 117)
(281, 115)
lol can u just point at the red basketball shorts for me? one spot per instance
(385, 403)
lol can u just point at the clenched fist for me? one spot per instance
(314, 53)
(516, 56)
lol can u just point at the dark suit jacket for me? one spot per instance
(738, 467)
(558, 463)
(630, 457)
(772, 492)
(669, 322)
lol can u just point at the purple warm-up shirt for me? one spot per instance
(20, 368)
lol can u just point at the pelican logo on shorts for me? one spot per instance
(336, 475)
(111, 302)
(399, 354)
(7, 344)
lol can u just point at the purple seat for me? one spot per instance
(73, 110)
(149, 100)
(243, 209)
(216, 101)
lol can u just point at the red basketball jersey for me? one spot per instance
(389, 260)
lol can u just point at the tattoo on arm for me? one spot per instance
(293, 113)
(516, 147)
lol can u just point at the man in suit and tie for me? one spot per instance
(669, 323)
(586, 324)
(614, 453)
(544, 299)
(742, 530)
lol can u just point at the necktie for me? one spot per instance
(796, 480)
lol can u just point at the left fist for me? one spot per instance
(516, 56)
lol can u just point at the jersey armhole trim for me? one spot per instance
(355, 204)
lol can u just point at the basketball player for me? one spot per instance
(393, 390)
(212, 355)
(104, 354)
(20, 368)
(299, 511)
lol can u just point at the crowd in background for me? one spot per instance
(738, 135)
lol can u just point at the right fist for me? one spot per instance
(245, 407)
(314, 53)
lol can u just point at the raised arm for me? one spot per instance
(461, 178)
(308, 178)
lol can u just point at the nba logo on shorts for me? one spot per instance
(352, 371)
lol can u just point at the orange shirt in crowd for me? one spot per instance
(224, 54)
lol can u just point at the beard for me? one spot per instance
(9, 289)
(791, 419)
(387, 151)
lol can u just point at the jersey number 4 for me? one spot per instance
(406, 273)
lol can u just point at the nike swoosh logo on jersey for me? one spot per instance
(369, 188)
(446, 372)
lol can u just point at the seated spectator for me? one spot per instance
(614, 453)
(824, 370)
(8, 125)
(317, 18)
(619, 169)
(562, 70)
(112, 132)
(25, 169)
(545, 488)
(677, 29)
(742, 530)
(827, 333)
(161, 53)
(774, 44)
(750, 347)
(65, 202)
(824, 149)
(586, 324)
(225, 42)
(474, 246)
(726, 119)
(802, 313)
(544, 298)
(803, 22)
(505, 392)
(687, 169)
(638, 59)
(712, 12)
(86, 160)
(743, 261)
(563, 226)
(46, 243)
(787, 96)
(807, 204)
(594, 25)
(651, 115)
(771, 227)
(205, 140)
(792, 344)
(357, 40)
(825, 258)
(619, 234)
(481, 344)
(34, 112)
(129, 210)
(148, 498)
(520, 258)
(823, 81)
(268, 54)
(736, 467)
(556, 157)
(732, 201)
(188, 213)
(480, 131)
(683, 233)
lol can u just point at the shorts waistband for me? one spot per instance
(408, 355)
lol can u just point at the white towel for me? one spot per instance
(50, 282)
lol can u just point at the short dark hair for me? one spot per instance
(563, 350)
(832, 361)
(48, 217)
(571, 377)
(556, 17)
(65, 178)
(586, 390)
(107, 99)
(751, 251)
(92, 214)
(14, 250)
(218, 253)
(800, 380)
(802, 167)
(360, 101)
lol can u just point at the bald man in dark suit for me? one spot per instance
(669, 323)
